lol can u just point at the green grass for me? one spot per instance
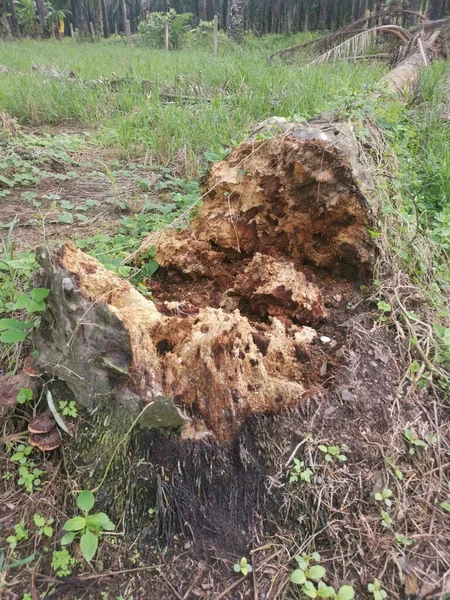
(236, 89)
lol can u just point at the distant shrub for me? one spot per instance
(151, 31)
(201, 37)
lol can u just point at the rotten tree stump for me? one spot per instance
(232, 329)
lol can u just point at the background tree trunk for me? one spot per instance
(436, 10)
(414, 5)
(323, 6)
(106, 32)
(5, 31)
(236, 24)
(124, 16)
(14, 22)
(202, 10)
(80, 17)
(43, 17)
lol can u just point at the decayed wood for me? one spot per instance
(237, 337)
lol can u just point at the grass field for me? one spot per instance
(96, 155)
(231, 93)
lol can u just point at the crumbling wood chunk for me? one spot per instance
(296, 195)
(273, 287)
(113, 346)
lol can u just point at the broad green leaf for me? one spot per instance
(68, 538)
(101, 521)
(88, 545)
(75, 524)
(377, 595)
(298, 577)
(39, 521)
(15, 324)
(48, 530)
(445, 506)
(39, 294)
(325, 591)
(237, 568)
(316, 572)
(12, 336)
(309, 590)
(85, 500)
(346, 592)
(24, 395)
(333, 450)
(323, 448)
(302, 563)
(66, 217)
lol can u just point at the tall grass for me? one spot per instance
(235, 90)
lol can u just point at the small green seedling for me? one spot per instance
(397, 472)
(386, 519)
(44, 525)
(20, 533)
(299, 473)
(68, 408)
(446, 504)
(376, 590)
(402, 540)
(88, 526)
(332, 452)
(62, 562)
(384, 496)
(25, 396)
(21, 454)
(383, 306)
(309, 576)
(242, 567)
(30, 478)
(413, 441)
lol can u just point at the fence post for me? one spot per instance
(91, 27)
(128, 32)
(166, 35)
(215, 33)
(71, 29)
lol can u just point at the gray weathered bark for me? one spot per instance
(5, 31)
(236, 21)
(202, 10)
(42, 17)
(106, 32)
(323, 6)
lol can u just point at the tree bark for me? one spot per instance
(42, 11)
(81, 18)
(124, 16)
(323, 7)
(5, 31)
(415, 6)
(236, 21)
(14, 22)
(106, 32)
(202, 10)
(436, 10)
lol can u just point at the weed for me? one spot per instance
(402, 541)
(68, 408)
(308, 576)
(332, 452)
(87, 526)
(242, 567)
(384, 496)
(44, 525)
(25, 396)
(20, 534)
(29, 475)
(413, 441)
(299, 472)
(62, 562)
(376, 590)
(386, 519)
